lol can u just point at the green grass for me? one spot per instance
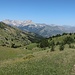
(56, 39)
(31, 46)
(37, 62)
(12, 35)
(10, 53)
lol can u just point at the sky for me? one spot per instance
(59, 12)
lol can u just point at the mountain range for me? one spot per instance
(42, 29)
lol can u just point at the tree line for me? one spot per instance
(51, 44)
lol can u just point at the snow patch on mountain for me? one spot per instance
(19, 23)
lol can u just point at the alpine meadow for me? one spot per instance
(37, 37)
(23, 53)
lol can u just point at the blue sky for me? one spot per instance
(60, 12)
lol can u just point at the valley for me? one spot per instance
(37, 37)
(26, 53)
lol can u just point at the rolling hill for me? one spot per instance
(39, 61)
(14, 37)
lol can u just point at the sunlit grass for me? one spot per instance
(38, 63)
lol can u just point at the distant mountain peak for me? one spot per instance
(18, 22)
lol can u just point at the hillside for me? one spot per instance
(41, 62)
(50, 56)
(14, 37)
(34, 60)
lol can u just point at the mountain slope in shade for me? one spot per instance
(41, 29)
(45, 31)
(11, 36)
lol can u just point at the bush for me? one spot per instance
(52, 44)
(70, 33)
(64, 33)
(68, 40)
(44, 43)
(15, 46)
(61, 46)
(50, 38)
(58, 35)
(71, 46)
(52, 48)
(58, 43)
(6, 38)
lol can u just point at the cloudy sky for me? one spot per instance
(60, 12)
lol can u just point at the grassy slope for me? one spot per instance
(30, 60)
(62, 37)
(27, 62)
(10, 35)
